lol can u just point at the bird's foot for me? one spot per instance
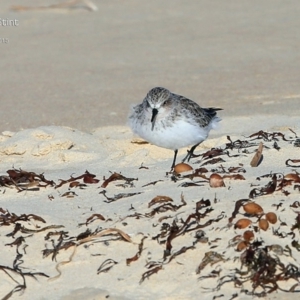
(190, 154)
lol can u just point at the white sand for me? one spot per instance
(60, 152)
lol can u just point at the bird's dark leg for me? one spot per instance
(190, 153)
(174, 159)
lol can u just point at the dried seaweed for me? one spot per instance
(28, 230)
(61, 235)
(238, 144)
(215, 180)
(69, 194)
(7, 218)
(197, 173)
(297, 223)
(267, 190)
(262, 270)
(106, 266)
(261, 265)
(17, 271)
(84, 237)
(295, 204)
(238, 205)
(238, 169)
(234, 177)
(211, 258)
(268, 136)
(188, 184)
(213, 152)
(23, 180)
(190, 224)
(159, 199)
(152, 183)
(116, 176)
(77, 184)
(265, 271)
(213, 161)
(143, 167)
(138, 254)
(180, 251)
(10, 219)
(75, 242)
(294, 161)
(87, 177)
(292, 177)
(169, 232)
(297, 143)
(166, 207)
(222, 169)
(118, 196)
(149, 273)
(93, 218)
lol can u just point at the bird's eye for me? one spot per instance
(166, 102)
(147, 104)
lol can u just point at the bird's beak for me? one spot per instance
(154, 115)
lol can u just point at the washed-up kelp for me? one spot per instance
(18, 272)
(24, 181)
(193, 235)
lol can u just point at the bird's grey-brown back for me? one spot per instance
(193, 112)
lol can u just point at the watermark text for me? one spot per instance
(9, 22)
(4, 40)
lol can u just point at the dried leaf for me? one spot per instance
(258, 156)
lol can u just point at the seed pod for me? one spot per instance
(271, 217)
(216, 180)
(242, 223)
(182, 167)
(248, 235)
(253, 208)
(263, 224)
(242, 245)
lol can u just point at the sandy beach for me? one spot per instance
(90, 211)
(72, 222)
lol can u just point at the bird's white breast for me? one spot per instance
(175, 136)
